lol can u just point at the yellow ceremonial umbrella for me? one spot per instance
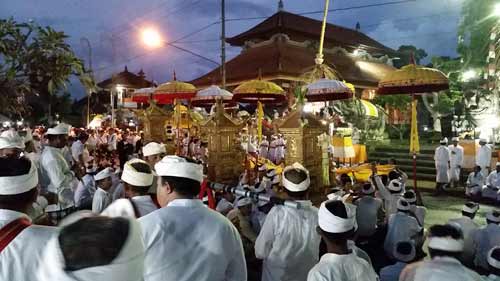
(413, 79)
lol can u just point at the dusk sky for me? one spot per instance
(112, 27)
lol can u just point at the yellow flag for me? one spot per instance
(260, 116)
(414, 143)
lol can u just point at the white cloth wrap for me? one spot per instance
(405, 258)
(491, 216)
(470, 210)
(127, 266)
(446, 244)
(153, 148)
(60, 129)
(243, 202)
(492, 261)
(395, 185)
(106, 173)
(120, 208)
(11, 139)
(296, 187)
(175, 166)
(135, 178)
(403, 207)
(19, 184)
(330, 223)
(368, 191)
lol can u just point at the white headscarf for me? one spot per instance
(334, 224)
(19, 184)
(133, 177)
(11, 139)
(127, 266)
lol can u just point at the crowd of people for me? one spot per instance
(481, 184)
(140, 218)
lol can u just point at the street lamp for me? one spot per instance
(151, 37)
(496, 10)
(469, 75)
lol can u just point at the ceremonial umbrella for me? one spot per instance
(173, 90)
(142, 95)
(413, 79)
(209, 96)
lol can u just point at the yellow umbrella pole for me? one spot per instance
(414, 145)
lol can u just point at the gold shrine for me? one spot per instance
(301, 131)
(160, 124)
(224, 157)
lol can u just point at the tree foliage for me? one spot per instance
(405, 53)
(35, 66)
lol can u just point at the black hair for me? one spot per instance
(296, 176)
(92, 241)
(52, 137)
(471, 205)
(338, 208)
(182, 186)
(11, 167)
(393, 175)
(445, 230)
(410, 195)
(404, 247)
(495, 214)
(141, 168)
(345, 178)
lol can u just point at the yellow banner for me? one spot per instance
(260, 116)
(414, 143)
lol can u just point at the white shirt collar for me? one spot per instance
(103, 191)
(9, 215)
(446, 259)
(304, 203)
(185, 203)
(330, 257)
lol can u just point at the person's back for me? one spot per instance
(288, 242)
(486, 238)
(294, 241)
(367, 215)
(201, 243)
(21, 255)
(350, 267)
(444, 268)
(401, 227)
(468, 227)
(184, 239)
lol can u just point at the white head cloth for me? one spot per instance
(60, 129)
(444, 141)
(263, 168)
(19, 184)
(106, 173)
(133, 177)
(491, 260)
(498, 164)
(243, 202)
(447, 244)
(402, 257)
(455, 139)
(120, 208)
(483, 140)
(413, 199)
(153, 148)
(175, 166)
(470, 207)
(304, 185)
(403, 205)
(127, 266)
(11, 139)
(395, 185)
(493, 216)
(331, 223)
(336, 195)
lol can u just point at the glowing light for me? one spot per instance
(151, 38)
(119, 88)
(469, 75)
(357, 52)
(496, 10)
(308, 108)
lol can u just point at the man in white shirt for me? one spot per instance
(112, 139)
(401, 227)
(58, 181)
(102, 196)
(404, 253)
(469, 227)
(264, 147)
(86, 188)
(483, 157)
(137, 178)
(11, 144)
(226, 203)
(486, 238)
(19, 252)
(203, 244)
(273, 147)
(288, 242)
(153, 152)
(491, 189)
(456, 161)
(369, 213)
(390, 193)
(78, 149)
(336, 225)
(442, 159)
(94, 248)
(418, 211)
(494, 264)
(475, 183)
(445, 247)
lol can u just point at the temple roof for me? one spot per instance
(283, 59)
(126, 79)
(300, 28)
